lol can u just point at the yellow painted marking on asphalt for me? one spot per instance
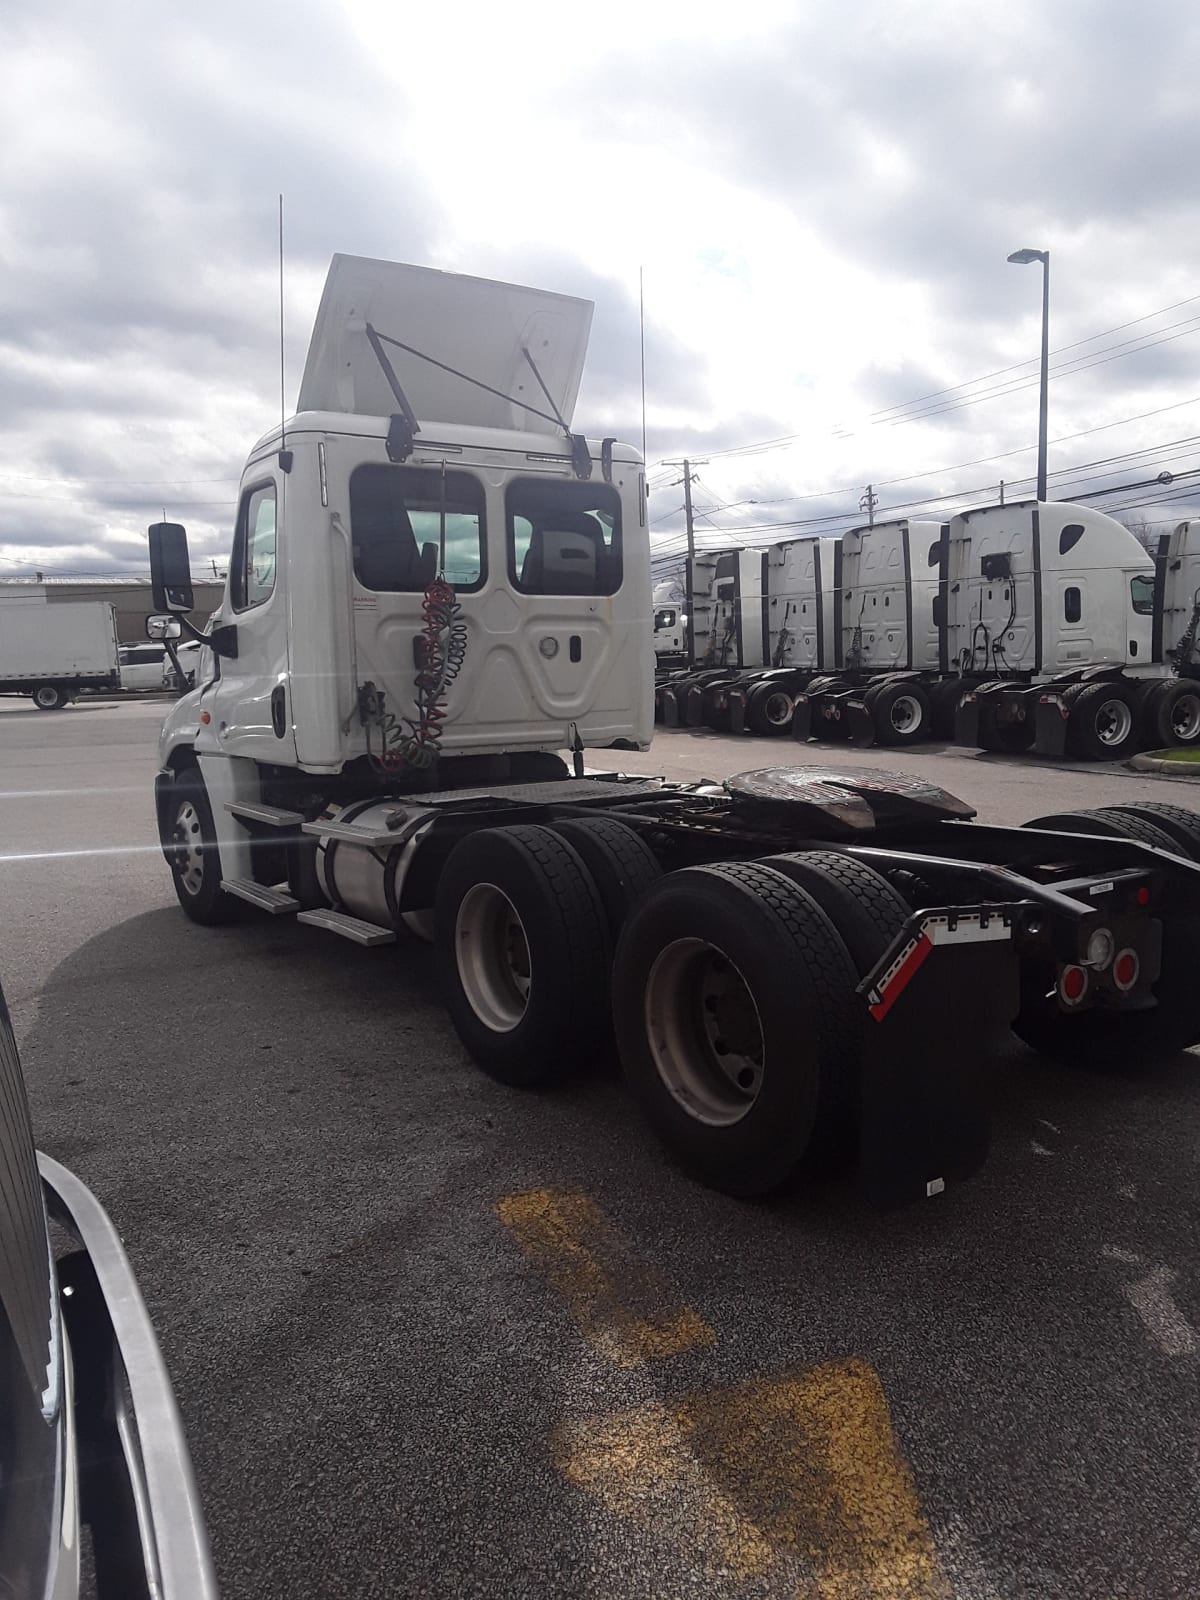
(622, 1307)
(796, 1481)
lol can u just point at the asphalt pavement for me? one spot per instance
(433, 1337)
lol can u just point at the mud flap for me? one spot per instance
(1050, 736)
(670, 708)
(693, 710)
(859, 721)
(966, 722)
(802, 719)
(940, 1004)
(737, 711)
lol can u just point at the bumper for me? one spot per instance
(137, 1488)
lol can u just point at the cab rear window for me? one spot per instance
(563, 538)
(396, 522)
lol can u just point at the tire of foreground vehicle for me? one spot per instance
(769, 710)
(733, 997)
(1113, 822)
(901, 714)
(868, 913)
(195, 861)
(622, 865)
(524, 952)
(1182, 825)
(1103, 724)
(1114, 1040)
(863, 906)
(50, 697)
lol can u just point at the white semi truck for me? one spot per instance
(436, 588)
(1026, 626)
(52, 650)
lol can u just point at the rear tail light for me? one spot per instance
(1126, 970)
(1073, 985)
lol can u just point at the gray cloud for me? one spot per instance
(137, 229)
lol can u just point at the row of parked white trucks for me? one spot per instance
(438, 590)
(1028, 626)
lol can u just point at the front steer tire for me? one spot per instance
(523, 952)
(194, 856)
(784, 984)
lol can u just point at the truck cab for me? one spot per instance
(429, 570)
(341, 530)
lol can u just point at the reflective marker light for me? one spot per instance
(1126, 969)
(1072, 985)
(1100, 949)
(1143, 896)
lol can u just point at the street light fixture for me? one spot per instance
(1025, 258)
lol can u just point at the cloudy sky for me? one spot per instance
(821, 196)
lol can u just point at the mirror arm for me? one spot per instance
(222, 641)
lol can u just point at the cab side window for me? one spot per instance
(252, 570)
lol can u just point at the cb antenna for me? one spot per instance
(642, 332)
(285, 455)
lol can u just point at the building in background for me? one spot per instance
(130, 597)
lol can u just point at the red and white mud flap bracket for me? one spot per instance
(939, 1005)
(1050, 726)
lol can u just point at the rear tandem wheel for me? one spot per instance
(733, 1000)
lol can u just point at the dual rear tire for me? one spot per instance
(730, 988)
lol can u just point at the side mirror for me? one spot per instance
(170, 569)
(163, 628)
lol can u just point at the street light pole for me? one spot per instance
(1023, 258)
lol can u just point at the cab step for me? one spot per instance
(275, 901)
(270, 816)
(366, 933)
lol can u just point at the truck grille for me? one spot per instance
(26, 1291)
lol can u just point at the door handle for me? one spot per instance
(278, 711)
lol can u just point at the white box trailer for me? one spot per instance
(53, 650)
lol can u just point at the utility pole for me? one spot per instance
(868, 503)
(689, 597)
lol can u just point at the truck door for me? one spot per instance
(249, 703)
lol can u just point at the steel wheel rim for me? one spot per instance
(491, 949)
(1114, 722)
(46, 697)
(1185, 718)
(704, 1031)
(778, 708)
(188, 834)
(905, 713)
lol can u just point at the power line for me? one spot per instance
(902, 405)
